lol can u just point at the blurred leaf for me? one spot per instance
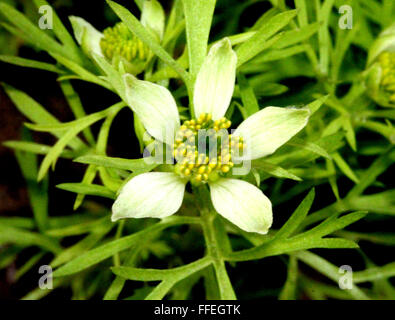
(297, 217)
(198, 17)
(80, 228)
(36, 148)
(38, 192)
(76, 106)
(36, 113)
(248, 98)
(81, 246)
(75, 127)
(344, 167)
(119, 163)
(328, 270)
(25, 238)
(31, 33)
(88, 189)
(175, 274)
(375, 273)
(274, 170)
(89, 176)
(109, 249)
(293, 37)
(256, 43)
(27, 63)
(83, 73)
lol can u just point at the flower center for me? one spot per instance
(203, 149)
(118, 40)
(387, 62)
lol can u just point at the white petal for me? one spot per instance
(87, 36)
(155, 107)
(242, 204)
(267, 130)
(215, 81)
(149, 195)
(153, 18)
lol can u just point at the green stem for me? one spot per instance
(212, 244)
(357, 91)
(116, 259)
(117, 285)
(190, 89)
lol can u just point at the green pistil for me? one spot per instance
(118, 40)
(387, 62)
(192, 163)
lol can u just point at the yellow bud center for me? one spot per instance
(203, 149)
(118, 40)
(387, 62)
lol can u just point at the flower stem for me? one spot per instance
(116, 258)
(214, 251)
(190, 88)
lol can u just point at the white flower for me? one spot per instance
(160, 194)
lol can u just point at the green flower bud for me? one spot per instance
(120, 45)
(380, 74)
(384, 43)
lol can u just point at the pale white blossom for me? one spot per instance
(159, 194)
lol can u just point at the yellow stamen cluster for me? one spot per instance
(203, 149)
(118, 40)
(387, 62)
